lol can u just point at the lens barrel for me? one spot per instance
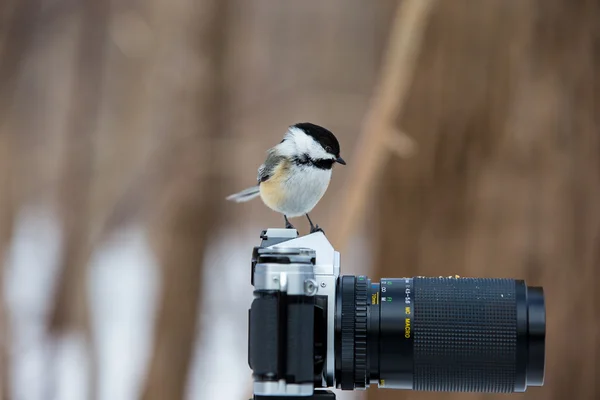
(440, 334)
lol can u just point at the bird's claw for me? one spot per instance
(288, 225)
(316, 228)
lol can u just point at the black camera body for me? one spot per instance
(311, 329)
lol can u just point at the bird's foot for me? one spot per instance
(316, 228)
(288, 225)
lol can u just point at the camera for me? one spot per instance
(311, 329)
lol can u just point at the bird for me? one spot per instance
(296, 172)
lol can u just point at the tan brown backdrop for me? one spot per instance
(471, 130)
(504, 109)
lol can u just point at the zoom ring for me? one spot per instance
(360, 333)
(347, 337)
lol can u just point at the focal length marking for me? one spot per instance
(407, 308)
(396, 333)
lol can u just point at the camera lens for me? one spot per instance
(439, 334)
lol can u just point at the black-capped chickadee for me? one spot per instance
(296, 173)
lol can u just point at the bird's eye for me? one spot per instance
(328, 149)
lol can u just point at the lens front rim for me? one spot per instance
(536, 334)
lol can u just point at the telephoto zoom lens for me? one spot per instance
(439, 334)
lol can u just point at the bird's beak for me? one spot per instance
(340, 160)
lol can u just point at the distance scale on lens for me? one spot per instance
(396, 333)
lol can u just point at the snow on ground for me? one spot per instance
(124, 284)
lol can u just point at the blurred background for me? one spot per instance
(471, 130)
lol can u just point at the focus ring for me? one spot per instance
(347, 336)
(465, 335)
(360, 334)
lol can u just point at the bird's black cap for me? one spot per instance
(322, 136)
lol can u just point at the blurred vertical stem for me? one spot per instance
(190, 39)
(16, 31)
(7, 215)
(379, 133)
(70, 309)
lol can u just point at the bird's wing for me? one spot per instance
(266, 170)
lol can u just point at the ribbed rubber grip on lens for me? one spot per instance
(465, 334)
(360, 334)
(347, 333)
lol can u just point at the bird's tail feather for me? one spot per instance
(244, 195)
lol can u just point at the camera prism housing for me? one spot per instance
(311, 328)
